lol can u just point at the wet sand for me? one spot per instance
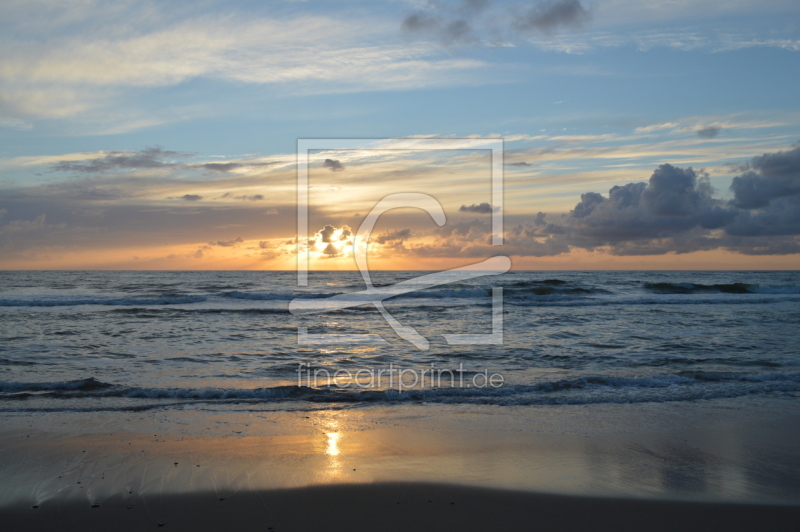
(701, 466)
(395, 506)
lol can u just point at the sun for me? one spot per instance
(331, 242)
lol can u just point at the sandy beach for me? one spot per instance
(704, 466)
(396, 506)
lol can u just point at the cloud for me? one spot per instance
(330, 233)
(333, 165)
(708, 132)
(673, 202)
(520, 164)
(657, 127)
(253, 197)
(18, 235)
(23, 225)
(331, 241)
(331, 250)
(457, 31)
(227, 243)
(120, 160)
(675, 211)
(769, 176)
(269, 252)
(15, 123)
(326, 233)
(191, 197)
(394, 236)
(221, 167)
(483, 208)
(146, 159)
(227, 167)
(548, 17)
(479, 21)
(94, 65)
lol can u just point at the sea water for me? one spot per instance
(116, 340)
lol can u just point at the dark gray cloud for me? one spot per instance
(548, 17)
(227, 243)
(483, 208)
(419, 22)
(446, 22)
(456, 31)
(81, 191)
(333, 165)
(520, 164)
(675, 211)
(475, 21)
(768, 177)
(253, 197)
(394, 236)
(708, 132)
(147, 158)
(191, 197)
(673, 202)
(326, 233)
(780, 218)
(221, 167)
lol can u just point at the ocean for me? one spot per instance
(83, 341)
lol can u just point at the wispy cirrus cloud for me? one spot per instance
(76, 65)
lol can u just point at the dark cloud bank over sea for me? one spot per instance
(674, 211)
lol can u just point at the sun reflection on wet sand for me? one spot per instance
(358, 446)
(333, 444)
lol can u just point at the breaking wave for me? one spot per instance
(68, 301)
(682, 386)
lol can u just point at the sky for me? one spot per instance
(636, 134)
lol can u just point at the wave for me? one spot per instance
(164, 312)
(549, 282)
(774, 289)
(729, 288)
(432, 294)
(684, 386)
(69, 301)
(577, 301)
(442, 294)
(275, 296)
(525, 292)
(89, 384)
(552, 290)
